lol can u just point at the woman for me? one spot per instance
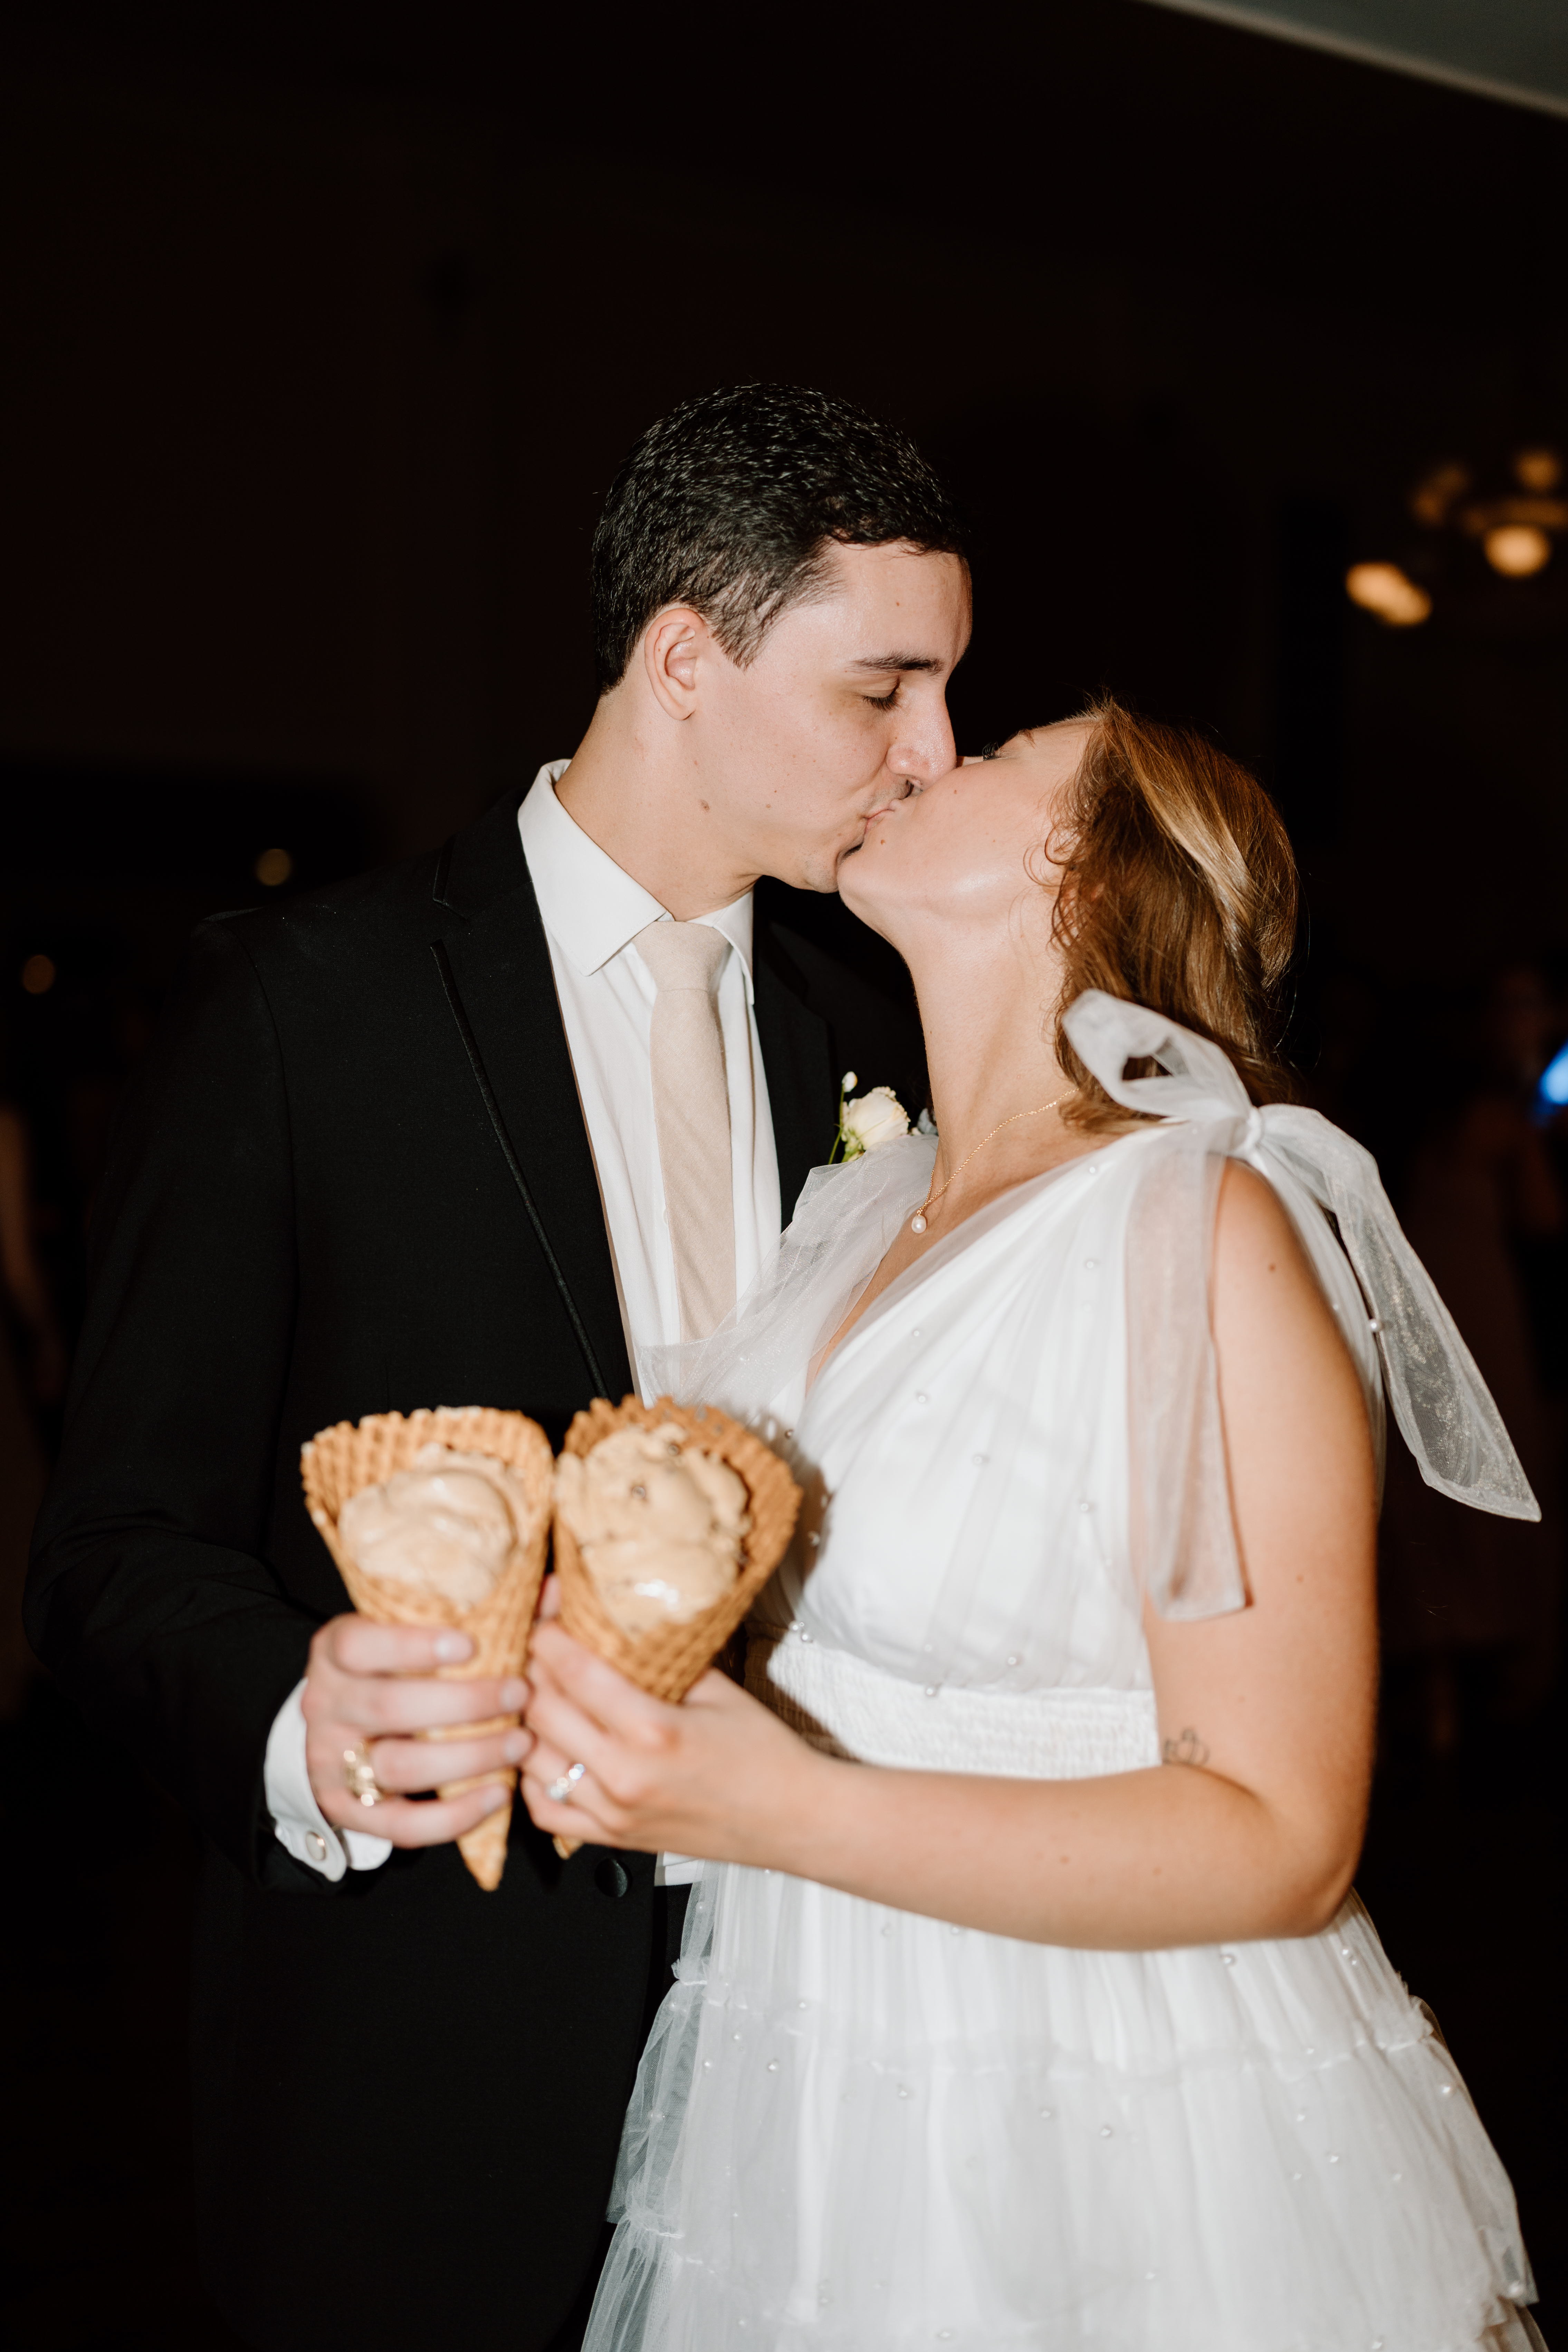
(1062, 2026)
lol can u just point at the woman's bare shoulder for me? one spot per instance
(1270, 1310)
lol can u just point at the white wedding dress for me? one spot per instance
(857, 2128)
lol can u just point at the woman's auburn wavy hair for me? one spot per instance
(1179, 891)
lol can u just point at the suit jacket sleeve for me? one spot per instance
(149, 1595)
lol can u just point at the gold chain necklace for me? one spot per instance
(918, 1221)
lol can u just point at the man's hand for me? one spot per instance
(375, 1682)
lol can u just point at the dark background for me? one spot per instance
(322, 333)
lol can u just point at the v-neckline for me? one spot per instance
(973, 1229)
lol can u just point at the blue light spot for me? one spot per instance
(1553, 1088)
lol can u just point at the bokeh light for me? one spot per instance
(1538, 470)
(38, 975)
(273, 868)
(1551, 1095)
(1517, 548)
(1383, 589)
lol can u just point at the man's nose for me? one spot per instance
(925, 749)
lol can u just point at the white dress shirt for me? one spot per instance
(593, 910)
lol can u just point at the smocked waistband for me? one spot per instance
(848, 1708)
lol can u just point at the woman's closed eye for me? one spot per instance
(885, 701)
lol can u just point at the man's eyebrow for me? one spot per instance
(880, 662)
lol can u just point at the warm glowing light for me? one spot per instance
(1517, 548)
(1433, 494)
(1538, 470)
(273, 868)
(38, 976)
(1383, 589)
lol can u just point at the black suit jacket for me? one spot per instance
(353, 1177)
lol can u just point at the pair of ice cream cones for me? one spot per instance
(343, 1462)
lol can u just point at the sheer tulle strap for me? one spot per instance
(1442, 1405)
(757, 1364)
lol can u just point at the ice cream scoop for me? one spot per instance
(447, 1526)
(660, 1524)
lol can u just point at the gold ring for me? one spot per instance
(358, 1775)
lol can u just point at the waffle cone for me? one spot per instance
(668, 1659)
(337, 1463)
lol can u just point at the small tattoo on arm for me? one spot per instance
(1188, 1749)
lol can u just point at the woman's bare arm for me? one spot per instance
(1251, 1828)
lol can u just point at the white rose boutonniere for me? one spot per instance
(866, 1120)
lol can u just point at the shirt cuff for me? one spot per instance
(678, 1869)
(298, 1822)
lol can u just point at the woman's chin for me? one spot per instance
(857, 889)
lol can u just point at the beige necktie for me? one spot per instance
(691, 1108)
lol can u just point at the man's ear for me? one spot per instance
(676, 644)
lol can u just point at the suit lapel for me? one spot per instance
(803, 1086)
(494, 964)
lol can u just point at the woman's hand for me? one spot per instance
(718, 1776)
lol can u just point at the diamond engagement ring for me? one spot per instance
(560, 1792)
(358, 1775)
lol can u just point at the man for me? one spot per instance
(469, 1132)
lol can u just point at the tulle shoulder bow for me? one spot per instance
(1394, 1323)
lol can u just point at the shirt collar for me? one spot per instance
(591, 907)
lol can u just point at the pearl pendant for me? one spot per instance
(917, 1223)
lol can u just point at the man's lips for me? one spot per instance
(883, 808)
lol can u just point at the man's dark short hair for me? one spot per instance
(730, 503)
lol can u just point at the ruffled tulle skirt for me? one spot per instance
(855, 2129)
